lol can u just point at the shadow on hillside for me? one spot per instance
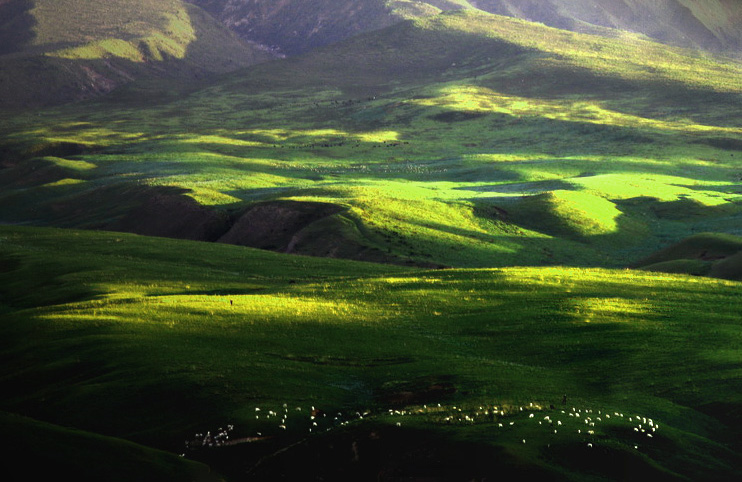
(16, 26)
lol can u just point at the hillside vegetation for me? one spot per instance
(465, 139)
(53, 51)
(705, 24)
(715, 255)
(444, 210)
(565, 373)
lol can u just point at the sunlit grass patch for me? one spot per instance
(471, 98)
(571, 213)
(610, 310)
(102, 49)
(216, 139)
(65, 182)
(664, 188)
(75, 165)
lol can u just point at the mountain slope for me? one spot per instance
(293, 27)
(706, 24)
(53, 51)
(296, 26)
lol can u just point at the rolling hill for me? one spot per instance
(711, 254)
(58, 51)
(466, 139)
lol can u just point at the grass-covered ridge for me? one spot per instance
(156, 340)
(295, 26)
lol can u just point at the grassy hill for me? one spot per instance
(465, 139)
(562, 373)
(63, 50)
(715, 255)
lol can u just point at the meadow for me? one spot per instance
(502, 175)
(157, 346)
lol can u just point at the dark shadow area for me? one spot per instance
(685, 209)
(296, 27)
(274, 225)
(16, 25)
(716, 255)
(725, 143)
(377, 452)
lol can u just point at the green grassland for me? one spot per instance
(156, 340)
(534, 163)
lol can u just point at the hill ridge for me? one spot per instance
(705, 24)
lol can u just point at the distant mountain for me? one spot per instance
(705, 24)
(296, 26)
(54, 51)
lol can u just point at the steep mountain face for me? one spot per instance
(295, 26)
(53, 51)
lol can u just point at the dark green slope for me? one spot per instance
(715, 255)
(42, 451)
